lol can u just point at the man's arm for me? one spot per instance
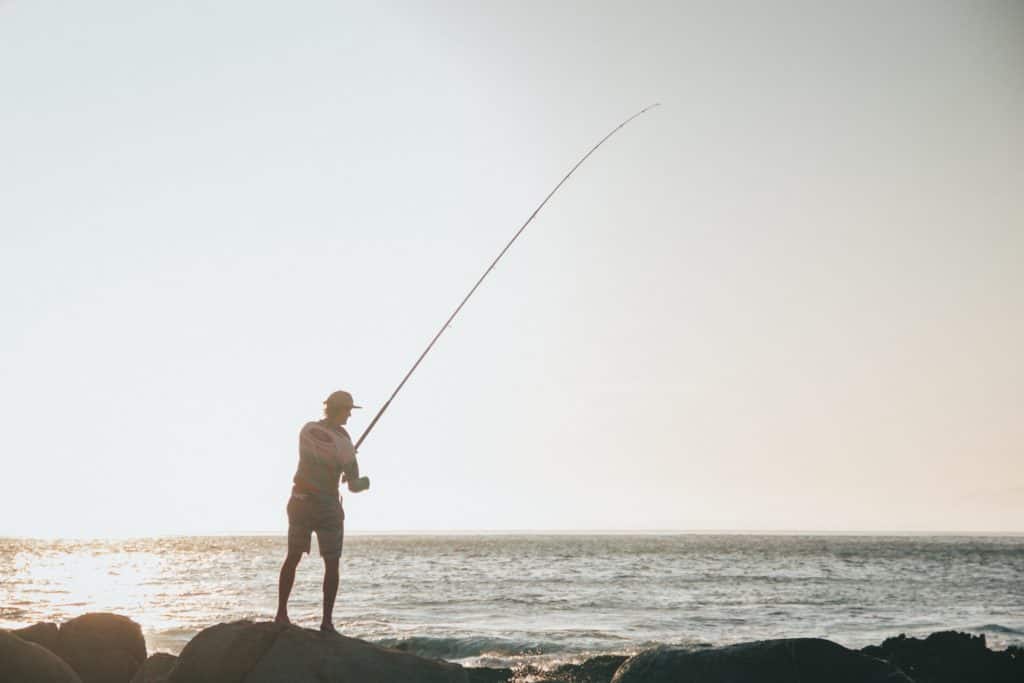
(350, 474)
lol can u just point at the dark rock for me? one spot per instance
(809, 660)
(270, 653)
(599, 669)
(951, 657)
(155, 669)
(224, 653)
(102, 647)
(486, 674)
(43, 633)
(22, 661)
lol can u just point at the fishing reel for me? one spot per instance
(358, 484)
(354, 481)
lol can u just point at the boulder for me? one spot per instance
(155, 669)
(102, 647)
(43, 633)
(224, 653)
(22, 661)
(951, 657)
(265, 652)
(809, 660)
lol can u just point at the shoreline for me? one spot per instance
(110, 647)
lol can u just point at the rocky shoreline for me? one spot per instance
(109, 648)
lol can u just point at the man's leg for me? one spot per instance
(330, 592)
(284, 585)
(300, 532)
(331, 538)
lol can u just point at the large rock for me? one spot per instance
(270, 653)
(101, 647)
(22, 661)
(155, 669)
(808, 660)
(951, 657)
(43, 633)
(224, 653)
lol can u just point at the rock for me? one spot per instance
(155, 669)
(225, 652)
(809, 660)
(22, 661)
(948, 657)
(486, 674)
(43, 633)
(102, 647)
(270, 653)
(599, 669)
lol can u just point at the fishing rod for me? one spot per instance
(487, 272)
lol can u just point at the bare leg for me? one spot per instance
(330, 593)
(284, 586)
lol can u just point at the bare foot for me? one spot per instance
(328, 628)
(282, 619)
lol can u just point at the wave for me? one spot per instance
(464, 648)
(997, 628)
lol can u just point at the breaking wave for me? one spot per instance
(454, 649)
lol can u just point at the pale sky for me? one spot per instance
(789, 298)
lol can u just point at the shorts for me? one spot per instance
(319, 513)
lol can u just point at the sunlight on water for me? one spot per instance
(171, 587)
(101, 579)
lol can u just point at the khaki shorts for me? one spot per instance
(324, 515)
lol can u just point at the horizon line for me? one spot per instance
(539, 532)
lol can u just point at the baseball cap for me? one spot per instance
(341, 399)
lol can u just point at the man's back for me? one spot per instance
(324, 452)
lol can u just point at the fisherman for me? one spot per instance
(326, 455)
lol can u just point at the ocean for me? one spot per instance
(540, 600)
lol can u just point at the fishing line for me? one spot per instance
(487, 272)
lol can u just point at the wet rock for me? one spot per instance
(270, 653)
(102, 647)
(599, 669)
(155, 669)
(951, 657)
(809, 660)
(22, 661)
(486, 674)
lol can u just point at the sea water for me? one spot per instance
(506, 600)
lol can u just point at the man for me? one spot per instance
(325, 454)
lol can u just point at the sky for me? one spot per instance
(789, 298)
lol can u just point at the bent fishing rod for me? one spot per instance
(487, 272)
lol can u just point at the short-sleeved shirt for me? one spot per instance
(325, 452)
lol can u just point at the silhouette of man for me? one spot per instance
(326, 454)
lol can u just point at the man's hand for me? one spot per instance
(360, 484)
